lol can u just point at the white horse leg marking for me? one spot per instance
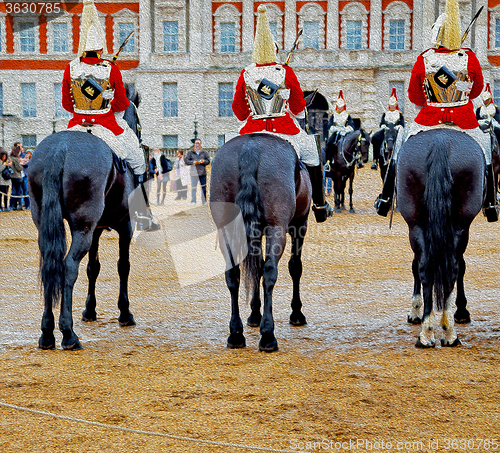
(427, 334)
(416, 308)
(449, 336)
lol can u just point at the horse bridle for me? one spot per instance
(357, 154)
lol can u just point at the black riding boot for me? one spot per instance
(322, 210)
(139, 206)
(490, 207)
(383, 202)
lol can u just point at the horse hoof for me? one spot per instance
(236, 341)
(463, 318)
(338, 210)
(421, 345)
(446, 344)
(86, 317)
(297, 319)
(47, 342)
(74, 346)
(352, 211)
(128, 323)
(268, 343)
(411, 320)
(254, 320)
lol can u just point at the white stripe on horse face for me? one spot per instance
(427, 334)
(416, 307)
(448, 323)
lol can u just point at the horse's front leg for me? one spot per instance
(297, 318)
(415, 315)
(80, 245)
(337, 187)
(93, 269)
(236, 338)
(125, 236)
(275, 244)
(342, 193)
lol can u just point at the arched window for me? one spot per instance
(312, 21)
(126, 21)
(354, 27)
(227, 30)
(397, 27)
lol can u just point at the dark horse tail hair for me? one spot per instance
(439, 238)
(52, 234)
(249, 201)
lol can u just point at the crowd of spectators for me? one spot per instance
(13, 179)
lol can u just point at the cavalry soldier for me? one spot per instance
(268, 98)
(443, 81)
(391, 116)
(488, 113)
(340, 123)
(93, 91)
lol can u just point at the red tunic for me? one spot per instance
(281, 125)
(118, 104)
(463, 116)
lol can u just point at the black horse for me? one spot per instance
(73, 176)
(342, 158)
(261, 176)
(387, 147)
(440, 190)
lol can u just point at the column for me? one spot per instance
(207, 42)
(375, 25)
(481, 32)
(144, 32)
(290, 23)
(247, 26)
(332, 25)
(195, 31)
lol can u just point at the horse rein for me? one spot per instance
(356, 153)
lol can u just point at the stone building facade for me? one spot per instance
(186, 55)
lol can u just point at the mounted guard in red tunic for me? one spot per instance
(269, 99)
(443, 82)
(93, 91)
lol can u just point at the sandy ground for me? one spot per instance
(350, 380)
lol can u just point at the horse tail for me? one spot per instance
(439, 239)
(52, 234)
(250, 203)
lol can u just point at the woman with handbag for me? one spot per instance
(17, 180)
(5, 176)
(181, 176)
(164, 166)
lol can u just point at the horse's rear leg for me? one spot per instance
(236, 338)
(275, 244)
(80, 245)
(93, 269)
(462, 315)
(47, 339)
(297, 318)
(255, 304)
(415, 315)
(125, 233)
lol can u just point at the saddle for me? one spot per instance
(119, 163)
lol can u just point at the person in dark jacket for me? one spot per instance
(17, 179)
(199, 159)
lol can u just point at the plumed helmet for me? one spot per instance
(446, 30)
(393, 100)
(340, 105)
(264, 48)
(487, 96)
(92, 36)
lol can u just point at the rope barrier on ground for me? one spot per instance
(148, 433)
